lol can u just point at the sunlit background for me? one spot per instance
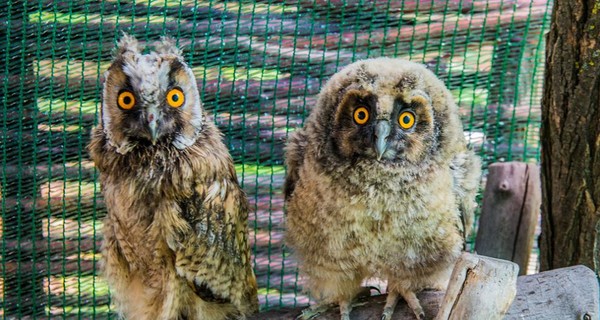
(259, 67)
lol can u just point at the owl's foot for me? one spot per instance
(345, 309)
(313, 311)
(413, 303)
(390, 305)
(347, 306)
(365, 292)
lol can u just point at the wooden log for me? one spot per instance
(569, 293)
(370, 308)
(510, 211)
(566, 293)
(480, 288)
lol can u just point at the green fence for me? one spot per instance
(259, 67)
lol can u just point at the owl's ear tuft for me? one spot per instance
(127, 44)
(167, 45)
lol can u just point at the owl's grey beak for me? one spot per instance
(382, 131)
(152, 124)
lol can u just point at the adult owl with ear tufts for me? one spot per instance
(380, 184)
(175, 235)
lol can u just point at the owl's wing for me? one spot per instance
(466, 172)
(211, 249)
(294, 157)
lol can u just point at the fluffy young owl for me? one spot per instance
(175, 236)
(380, 184)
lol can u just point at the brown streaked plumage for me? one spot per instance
(380, 184)
(175, 236)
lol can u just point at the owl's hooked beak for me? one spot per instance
(153, 126)
(382, 131)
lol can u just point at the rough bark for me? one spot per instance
(570, 137)
(568, 293)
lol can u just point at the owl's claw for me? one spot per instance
(387, 313)
(312, 312)
(365, 292)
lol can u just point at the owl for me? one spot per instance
(380, 184)
(175, 236)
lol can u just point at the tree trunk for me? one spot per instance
(570, 137)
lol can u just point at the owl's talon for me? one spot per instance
(365, 292)
(387, 313)
(376, 289)
(312, 312)
(420, 314)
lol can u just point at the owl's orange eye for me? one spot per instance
(406, 120)
(361, 115)
(175, 98)
(126, 100)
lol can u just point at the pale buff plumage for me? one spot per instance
(403, 219)
(175, 236)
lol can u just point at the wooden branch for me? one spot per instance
(480, 288)
(372, 309)
(510, 211)
(569, 293)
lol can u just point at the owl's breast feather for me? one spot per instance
(395, 225)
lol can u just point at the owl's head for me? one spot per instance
(150, 99)
(389, 111)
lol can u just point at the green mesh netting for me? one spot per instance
(259, 66)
